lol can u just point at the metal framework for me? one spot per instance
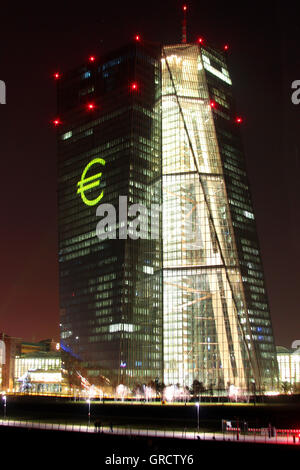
(204, 302)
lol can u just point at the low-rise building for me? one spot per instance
(38, 372)
(289, 368)
(10, 348)
(34, 367)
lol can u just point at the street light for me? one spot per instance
(4, 408)
(89, 413)
(197, 406)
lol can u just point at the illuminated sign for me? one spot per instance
(90, 182)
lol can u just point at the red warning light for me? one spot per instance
(226, 47)
(56, 75)
(212, 104)
(137, 37)
(238, 120)
(90, 106)
(200, 40)
(184, 8)
(56, 122)
(134, 86)
(92, 58)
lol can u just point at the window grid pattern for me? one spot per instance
(111, 290)
(206, 329)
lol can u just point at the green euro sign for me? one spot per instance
(91, 182)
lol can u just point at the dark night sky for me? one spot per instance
(38, 39)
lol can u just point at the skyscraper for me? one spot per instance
(109, 145)
(157, 125)
(217, 326)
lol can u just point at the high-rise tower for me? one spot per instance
(157, 125)
(217, 326)
(109, 145)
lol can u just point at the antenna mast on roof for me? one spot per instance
(184, 9)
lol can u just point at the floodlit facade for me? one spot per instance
(10, 346)
(158, 126)
(110, 289)
(217, 326)
(29, 360)
(289, 365)
(38, 372)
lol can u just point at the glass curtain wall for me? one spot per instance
(204, 306)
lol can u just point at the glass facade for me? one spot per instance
(217, 326)
(38, 373)
(156, 125)
(111, 289)
(289, 366)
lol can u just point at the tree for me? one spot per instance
(158, 387)
(197, 388)
(286, 387)
(26, 385)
